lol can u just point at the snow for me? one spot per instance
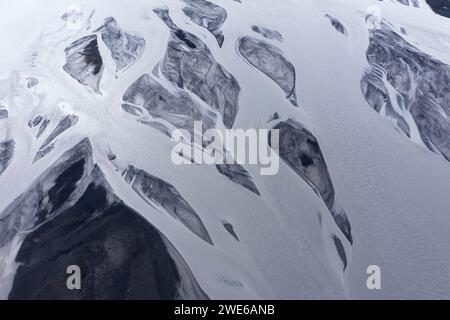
(395, 192)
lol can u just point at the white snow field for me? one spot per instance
(287, 242)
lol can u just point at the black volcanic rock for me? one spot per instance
(271, 61)
(441, 7)
(159, 192)
(340, 250)
(70, 216)
(125, 47)
(207, 14)
(4, 114)
(238, 175)
(301, 151)
(337, 24)
(175, 107)
(63, 125)
(230, 229)
(84, 62)
(421, 105)
(7, 148)
(268, 33)
(190, 65)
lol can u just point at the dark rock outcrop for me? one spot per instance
(47, 146)
(84, 62)
(230, 229)
(237, 174)
(271, 61)
(190, 65)
(337, 24)
(125, 47)
(340, 250)
(301, 151)
(6, 154)
(4, 114)
(177, 107)
(441, 7)
(162, 194)
(410, 87)
(70, 216)
(268, 33)
(208, 15)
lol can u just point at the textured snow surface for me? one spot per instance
(91, 90)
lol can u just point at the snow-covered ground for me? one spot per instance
(394, 191)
